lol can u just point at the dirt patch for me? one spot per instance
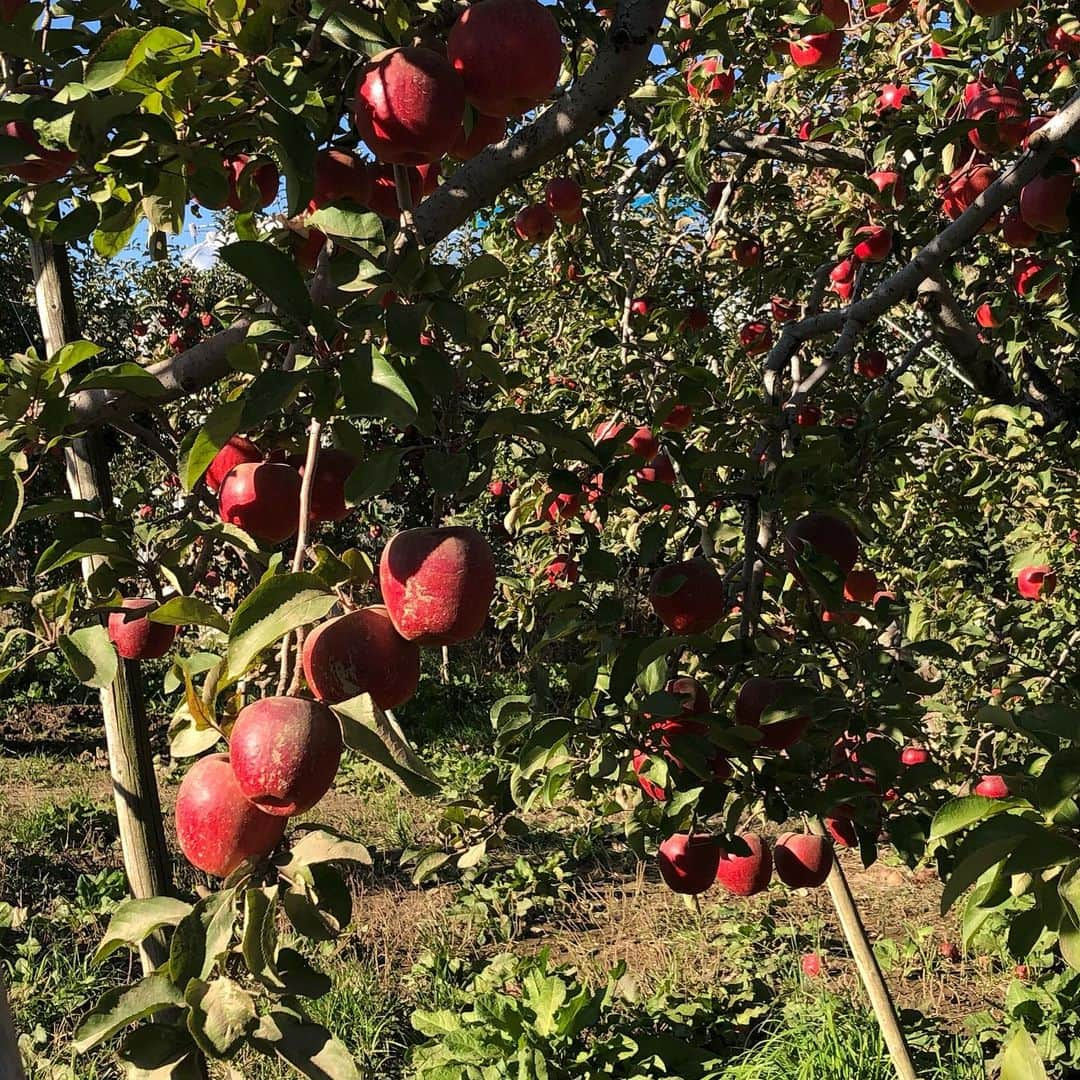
(67, 730)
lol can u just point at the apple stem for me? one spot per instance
(869, 972)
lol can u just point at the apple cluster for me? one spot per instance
(437, 586)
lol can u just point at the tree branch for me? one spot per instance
(781, 148)
(611, 75)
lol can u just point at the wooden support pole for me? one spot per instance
(10, 1059)
(138, 806)
(869, 972)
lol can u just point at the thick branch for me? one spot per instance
(618, 63)
(179, 376)
(781, 148)
(901, 285)
(956, 334)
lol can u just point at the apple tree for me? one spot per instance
(744, 329)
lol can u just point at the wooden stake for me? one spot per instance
(880, 999)
(10, 1059)
(138, 806)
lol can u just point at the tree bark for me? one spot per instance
(10, 1059)
(138, 807)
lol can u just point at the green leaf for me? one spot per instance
(201, 447)
(321, 844)
(1021, 1060)
(319, 904)
(374, 474)
(961, 813)
(273, 609)
(71, 355)
(189, 611)
(124, 1005)
(448, 473)
(970, 869)
(273, 272)
(135, 920)
(109, 64)
(351, 223)
(369, 731)
(11, 500)
(308, 1047)
(57, 554)
(259, 941)
(159, 1052)
(484, 267)
(221, 1014)
(202, 937)
(127, 378)
(372, 387)
(90, 655)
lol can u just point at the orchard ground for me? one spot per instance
(566, 895)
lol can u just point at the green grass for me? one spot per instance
(820, 1037)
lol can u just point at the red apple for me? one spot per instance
(756, 696)
(988, 8)
(695, 320)
(1026, 270)
(747, 252)
(332, 469)
(679, 418)
(285, 752)
(871, 364)
(746, 875)
(808, 414)
(217, 828)
(784, 310)
(825, 534)
(383, 199)
(408, 105)
(500, 489)
(263, 499)
(992, 787)
(1036, 582)
(535, 223)
(641, 306)
(562, 569)
(891, 98)
(361, 653)
(253, 182)
(817, 51)
(861, 586)
(438, 584)
(991, 315)
(42, 166)
(755, 337)
(340, 176)
(1065, 37)
(811, 965)
(1044, 201)
(914, 755)
(688, 597)
(963, 186)
(843, 271)
(508, 54)
(875, 245)
(891, 186)
(1016, 232)
(947, 949)
(688, 864)
(714, 193)
(486, 131)
(708, 80)
(563, 198)
(134, 635)
(1001, 113)
(643, 443)
(560, 507)
(802, 860)
(659, 470)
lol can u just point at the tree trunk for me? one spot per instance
(10, 1060)
(138, 807)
